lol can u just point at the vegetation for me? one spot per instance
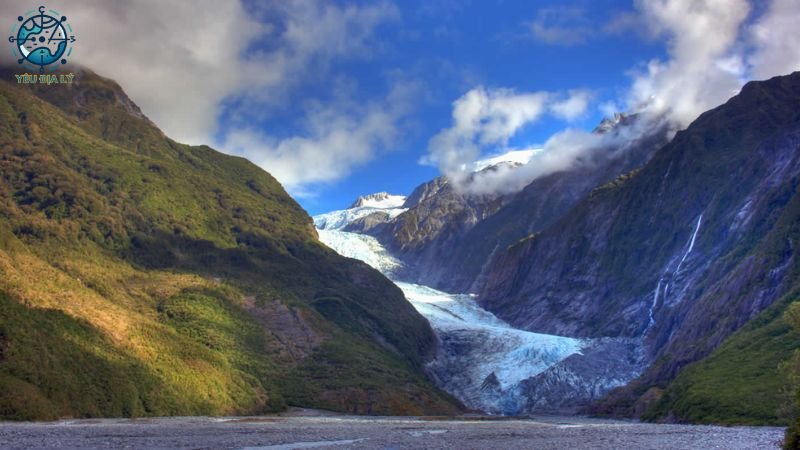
(792, 369)
(139, 277)
(742, 382)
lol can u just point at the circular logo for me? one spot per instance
(42, 39)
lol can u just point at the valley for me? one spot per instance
(594, 288)
(482, 360)
(321, 224)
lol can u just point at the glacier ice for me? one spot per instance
(482, 360)
(336, 220)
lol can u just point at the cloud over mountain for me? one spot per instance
(713, 47)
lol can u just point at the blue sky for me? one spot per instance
(448, 48)
(340, 98)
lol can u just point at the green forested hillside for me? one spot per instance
(139, 276)
(744, 381)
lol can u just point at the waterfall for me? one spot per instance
(674, 274)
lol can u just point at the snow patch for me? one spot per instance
(514, 157)
(381, 200)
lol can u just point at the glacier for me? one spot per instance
(482, 360)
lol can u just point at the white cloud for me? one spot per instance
(336, 138)
(563, 150)
(326, 153)
(561, 26)
(176, 60)
(574, 106)
(305, 38)
(482, 117)
(776, 38)
(485, 119)
(712, 49)
(179, 61)
(701, 71)
(623, 22)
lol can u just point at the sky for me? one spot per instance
(342, 98)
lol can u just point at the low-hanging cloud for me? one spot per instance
(573, 106)
(566, 149)
(713, 48)
(487, 118)
(704, 67)
(776, 38)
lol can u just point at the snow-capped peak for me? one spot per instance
(514, 157)
(379, 200)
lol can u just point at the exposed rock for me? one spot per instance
(294, 336)
(581, 378)
(448, 237)
(370, 224)
(681, 253)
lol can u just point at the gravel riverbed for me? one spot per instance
(342, 432)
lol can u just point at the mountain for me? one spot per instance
(481, 360)
(446, 236)
(379, 200)
(678, 255)
(512, 158)
(366, 212)
(424, 235)
(671, 261)
(143, 277)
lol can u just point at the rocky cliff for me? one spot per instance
(679, 254)
(448, 235)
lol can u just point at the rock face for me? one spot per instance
(653, 254)
(680, 253)
(578, 380)
(447, 237)
(373, 223)
(438, 216)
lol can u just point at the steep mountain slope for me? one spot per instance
(446, 237)
(743, 381)
(547, 199)
(679, 254)
(139, 276)
(437, 216)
